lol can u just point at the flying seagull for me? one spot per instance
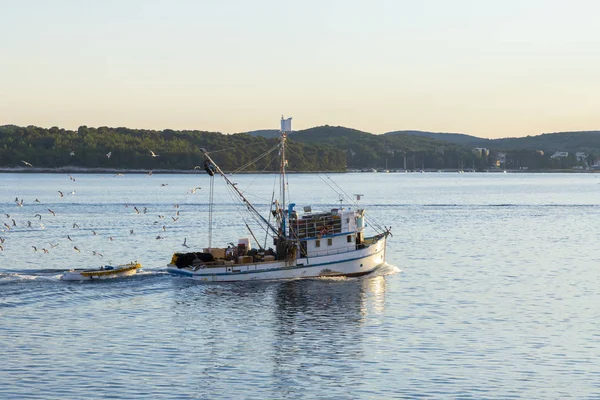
(26, 163)
(185, 242)
(153, 154)
(52, 212)
(109, 154)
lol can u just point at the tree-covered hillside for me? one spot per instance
(588, 141)
(130, 149)
(330, 148)
(366, 150)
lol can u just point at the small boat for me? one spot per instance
(107, 271)
(329, 243)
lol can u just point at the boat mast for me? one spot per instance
(286, 126)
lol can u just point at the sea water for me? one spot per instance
(491, 291)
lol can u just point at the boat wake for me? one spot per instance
(50, 275)
(387, 269)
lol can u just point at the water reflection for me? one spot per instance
(319, 333)
(292, 333)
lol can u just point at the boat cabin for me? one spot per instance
(336, 231)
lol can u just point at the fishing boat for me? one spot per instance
(107, 271)
(307, 244)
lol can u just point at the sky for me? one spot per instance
(487, 68)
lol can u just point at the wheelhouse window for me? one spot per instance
(349, 238)
(317, 243)
(329, 242)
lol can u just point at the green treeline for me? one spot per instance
(130, 149)
(324, 148)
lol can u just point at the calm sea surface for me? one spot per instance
(492, 291)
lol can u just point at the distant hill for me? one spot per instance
(124, 148)
(319, 148)
(587, 141)
(266, 133)
(457, 138)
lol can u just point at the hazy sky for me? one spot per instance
(487, 68)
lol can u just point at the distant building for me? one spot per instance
(480, 151)
(500, 159)
(580, 155)
(560, 154)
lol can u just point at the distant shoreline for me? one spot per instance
(76, 170)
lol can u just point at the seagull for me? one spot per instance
(69, 237)
(26, 163)
(19, 202)
(176, 206)
(145, 210)
(76, 249)
(197, 167)
(110, 238)
(34, 248)
(61, 193)
(164, 228)
(2, 240)
(149, 173)
(52, 245)
(37, 201)
(29, 224)
(52, 212)
(14, 222)
(1, 248)
(45, 251)
(153, 154)
(72, 153)
(195, 189)
(38, 215)
(164, 184)
(94, 233)
(7, 215)
(96, 253)
(177, 213)
(131, 231)
(73, 192)
(161, 216)
(119, 174)
(136, 210)
(159, 237)
(109, 154)
(7, 227)
(184, 242)
(42, 226)
(175, 219)
(75, 225)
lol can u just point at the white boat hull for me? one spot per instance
(354, 263)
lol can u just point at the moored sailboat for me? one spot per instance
(307, 244)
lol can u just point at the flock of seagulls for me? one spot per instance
(11, 224)
(108, 155)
